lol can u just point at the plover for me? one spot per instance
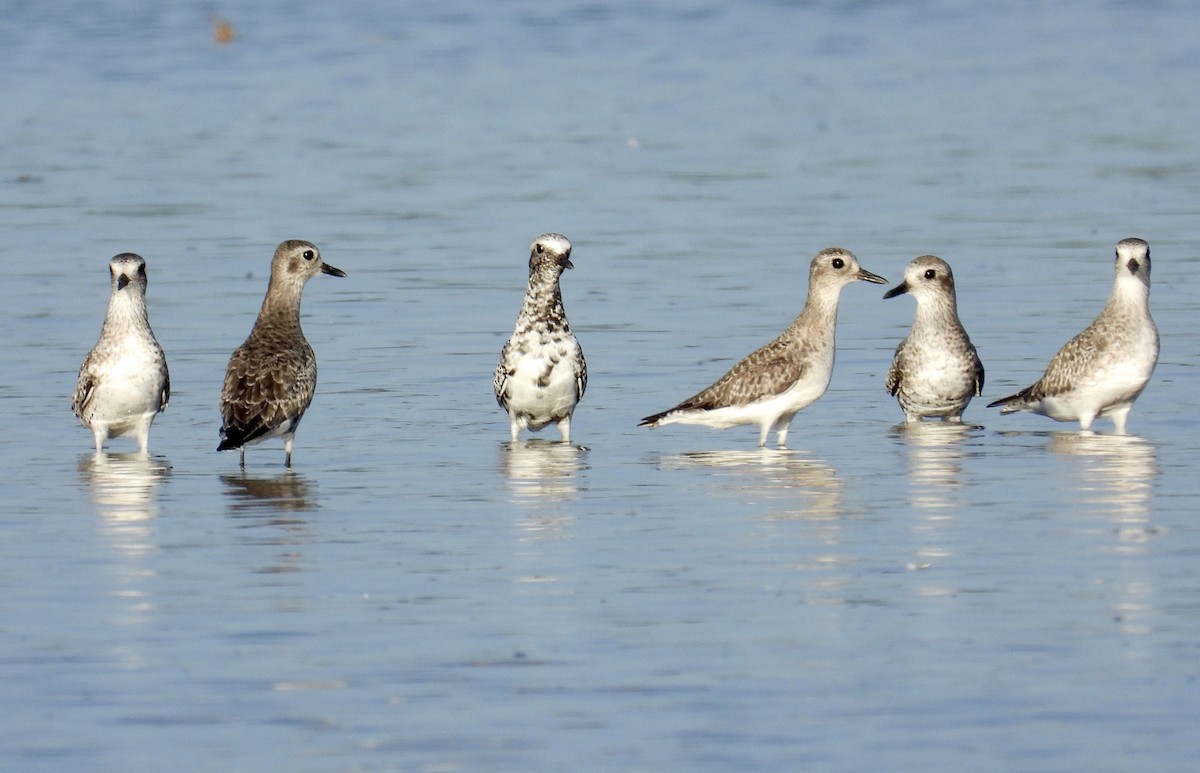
(270, 380)
(768, 387)
(935, 371)
(542, 373)
(123, 382)
(1101, 371)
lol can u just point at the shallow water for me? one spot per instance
(420, 594)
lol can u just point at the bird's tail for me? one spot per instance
(229, 444)
(1012, 403)
(655, 420)
(233, 438)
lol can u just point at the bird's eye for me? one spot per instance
(839, 263)
(930, 273)
(309, 254)
(540, 249)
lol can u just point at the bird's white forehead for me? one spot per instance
(127, 262)
(1132, 248)
(552, 242)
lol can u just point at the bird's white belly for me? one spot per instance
(1111, 388)
(129, 390)
(941, 385)
(542, 391)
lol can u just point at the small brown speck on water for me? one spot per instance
(223, 32)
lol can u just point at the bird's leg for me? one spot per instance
(782, 425)
(1118, 417)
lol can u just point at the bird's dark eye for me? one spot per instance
(930, 273)
(839, 263)
(540, 249)
(309, 254)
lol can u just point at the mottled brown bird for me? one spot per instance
(271, 378)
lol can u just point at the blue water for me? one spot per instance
(421, 595)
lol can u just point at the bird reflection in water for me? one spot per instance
(289, 491)
(934, 451)
(542, 474)
(121, 486)
(800, 514)
(267, 507)
(1117, 474)
(1116, 479)
(808, 488)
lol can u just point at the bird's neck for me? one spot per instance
(543, 301)
(936, 311)
(125, 309)
(1130, 297)
(819, 315)
(281, 306)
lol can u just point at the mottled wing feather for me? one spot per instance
(580, 372)
(1077, 356)
(164, 397)
(893, 376)
(85, 387)
(255, 401)
(765, 373)
(500, 377)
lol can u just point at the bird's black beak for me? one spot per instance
(122, 282)
(899, 289)
(867, 276)
(328, 269)
(1133, 265)
(568, 264)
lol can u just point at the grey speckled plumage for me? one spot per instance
(935, 371)
(123, 382)
(1101, 371)
(772, 384)
(542, 374)
(271, 378)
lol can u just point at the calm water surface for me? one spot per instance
(419, 594)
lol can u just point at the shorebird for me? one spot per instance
(935, 371)
(123, 382)
(270, 380)
(771, 385)
(1101, 371)
(542, 373)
